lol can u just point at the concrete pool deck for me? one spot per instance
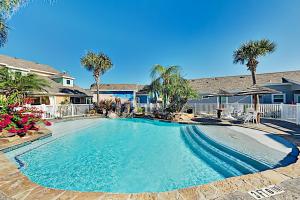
(15, 185)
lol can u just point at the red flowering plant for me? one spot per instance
(18, 118)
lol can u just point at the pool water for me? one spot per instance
(132, 156)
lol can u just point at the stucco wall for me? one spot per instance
(60, 99)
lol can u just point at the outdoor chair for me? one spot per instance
(250, 116)
(227, 113)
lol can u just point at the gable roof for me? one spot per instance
(240, 82)
(58, 89)
(28, 65)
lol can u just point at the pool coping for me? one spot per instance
(15, 185)
(42, 134)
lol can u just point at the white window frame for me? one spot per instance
(284, 97)
(296, 98)
(205, 97)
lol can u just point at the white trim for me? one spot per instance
(33, 70)
(296, 98)
(284, 97)
(113, 91)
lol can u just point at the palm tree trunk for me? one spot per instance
(253, 76)
(255, 96)
(97, 85)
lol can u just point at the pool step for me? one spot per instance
(213, 161)
(259, 165)
(235, 162)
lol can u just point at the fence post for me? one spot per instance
(72, 110)
(298, 113)
(281, 111)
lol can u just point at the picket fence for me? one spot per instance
(287, 112)
(62, 111)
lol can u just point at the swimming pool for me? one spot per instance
(132, 156)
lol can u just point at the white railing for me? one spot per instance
(61, 111)
(291, 113)
(150, 107)
(286, 112)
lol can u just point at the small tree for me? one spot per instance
(174, 89)
(16, 83)
(98, 64)
(161, 79)
(249, 53)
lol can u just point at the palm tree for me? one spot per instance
(249, 53)
(7, 7)
(3, 32)
(16, 83)
(98, 64)
(161, 79)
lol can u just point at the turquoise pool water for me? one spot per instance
(132, 156)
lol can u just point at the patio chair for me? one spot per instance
(227, 113)
(250, 116)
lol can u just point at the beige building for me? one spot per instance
(62, 88)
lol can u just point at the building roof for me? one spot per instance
(240, 82)
(58, 89)
(55, 88)
(117, 87)
(28, 65)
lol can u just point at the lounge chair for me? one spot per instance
(250, 115)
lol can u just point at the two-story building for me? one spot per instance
(286, 83)
(61, 88)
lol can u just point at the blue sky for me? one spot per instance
(198, 35)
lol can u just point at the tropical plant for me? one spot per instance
(168, 83)
(98, 64)
(17, 118)
(161, 79)
(15, 83)
(182, 92)
(249, 53)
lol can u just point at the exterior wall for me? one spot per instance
(234, 99)
(123, 95)
(143, 98)
(60, 99)
(283, 89)
(65, 82)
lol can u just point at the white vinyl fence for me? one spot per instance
(61, 111)
(150, 107)
(287, 112)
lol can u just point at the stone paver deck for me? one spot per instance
(24, 141)
(14, 185)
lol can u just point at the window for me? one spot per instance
(18, 73)
(297, 98)
(68, 82)
(278, 98)
(205, 97)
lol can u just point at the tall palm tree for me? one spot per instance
(3, 32)
(98, 64)
(249, 53)
(161, 79)
(7, 7)
(16, 83)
